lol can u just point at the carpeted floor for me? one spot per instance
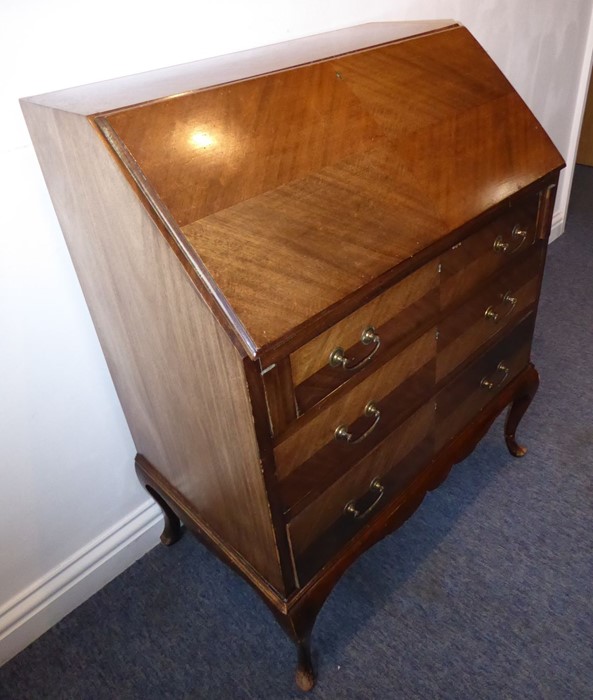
(485, 593)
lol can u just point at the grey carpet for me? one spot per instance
(484, 593)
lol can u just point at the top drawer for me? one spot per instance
(493, 247)
(365, 339)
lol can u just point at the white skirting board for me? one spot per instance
(40, 606)
(558, 224)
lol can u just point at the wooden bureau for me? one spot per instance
(314, 270)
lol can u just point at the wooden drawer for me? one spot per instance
(464, 397)
(493, 247)
(410, 373)
(489, 312)
(318, 531)
(395, 317)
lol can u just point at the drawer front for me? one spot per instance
(464, 397)
(360, 425)
(489, 312)
(393, 318)
(319, 531)
(469, 263)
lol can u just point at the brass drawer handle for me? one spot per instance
(517, 234)
(489, 384)
(338, 357)
(351, 509)
(509, 302)
(341, 432)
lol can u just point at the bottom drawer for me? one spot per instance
(464, 397)
(319, 531)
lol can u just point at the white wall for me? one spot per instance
(71, 512)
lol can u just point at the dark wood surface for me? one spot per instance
(280, 396)
(474, 259)
(394, 461)
(334, 459)
(489, 311)
(465, 396)
(307, 436)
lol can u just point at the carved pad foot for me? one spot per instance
(513, 446)
(517, 411)
(305, 674)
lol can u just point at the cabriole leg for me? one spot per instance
(517, 411)
(172, 527)
(298, 625)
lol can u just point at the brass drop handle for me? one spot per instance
(342, 433)
(489, 384)
(338, 357)
(351, 509)
(509, 301)
(517, 234)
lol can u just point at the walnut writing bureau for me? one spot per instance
(314, 270)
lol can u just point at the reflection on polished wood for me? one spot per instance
(238, 222)
(291, 186)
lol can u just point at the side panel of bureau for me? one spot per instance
(179, 378)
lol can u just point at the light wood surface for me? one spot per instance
(300, 190)
(179, 378)
(315, 354)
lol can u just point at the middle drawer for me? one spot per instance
(324, 444)
(490, 311)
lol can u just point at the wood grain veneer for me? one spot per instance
(332, 460)
(235, 220)
(314, 520)
(360, 136)
(314, 355)
(468, 328)
(475, 259)
(465, 396)
(306, 439)
(155, 331)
